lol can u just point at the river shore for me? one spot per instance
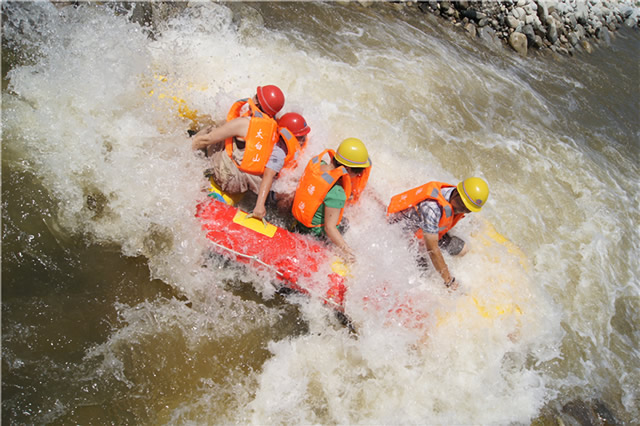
(565, 26)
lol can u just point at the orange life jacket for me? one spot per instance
(428, 191)
(236, 109)
(293, 147)
(260, 139)
(314, 186)
(358, 184)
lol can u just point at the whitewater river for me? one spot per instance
(113, 313)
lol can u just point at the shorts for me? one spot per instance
(231, 179)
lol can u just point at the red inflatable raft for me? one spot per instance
(295, 259)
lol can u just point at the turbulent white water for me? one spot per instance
(557, 319)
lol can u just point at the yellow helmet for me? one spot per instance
(353, 153)
(474, 192)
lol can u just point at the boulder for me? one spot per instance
(518, 42)
(586, 46)
(538, 42)
(626, 11)
(581, 12)
(543, 11)
(604, 34)
(528, 31)
(473, 14)
(552, 32)
(512, 22)
(471, 30)
(573, 38)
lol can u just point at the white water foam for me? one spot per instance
(83, 118)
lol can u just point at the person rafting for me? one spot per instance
(249, 150)
(431, 210)
(325, 189)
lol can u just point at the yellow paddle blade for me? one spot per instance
(254, 224)
(164, 89)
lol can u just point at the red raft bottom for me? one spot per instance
(295, 259)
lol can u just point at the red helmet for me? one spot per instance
(271, 99)
(295, 123)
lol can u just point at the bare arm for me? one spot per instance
(265, 186)
(331, 216)
(431, 243)
(235, 128)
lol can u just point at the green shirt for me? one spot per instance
(335, 198)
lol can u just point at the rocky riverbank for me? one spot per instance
(563, 26)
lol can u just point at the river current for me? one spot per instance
(113, 312)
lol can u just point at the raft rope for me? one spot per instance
(251, 258)
(256, 259)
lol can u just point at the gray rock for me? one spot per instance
(595, 23)
(543, 11)
(603, 34)
(552, 32)
(471, 30)
(539, 28)
(626, 11)
(573, 38)
(474, 14)
(518, 42)
(581, 12)
(527, 30)
(597, 12)
(425, 7)
(538, 42)
(489, 36)
(564, 8)
(519, 13)
(512, 22)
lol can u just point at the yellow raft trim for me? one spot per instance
(338, 266)
(231, 199)
(489, 235)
